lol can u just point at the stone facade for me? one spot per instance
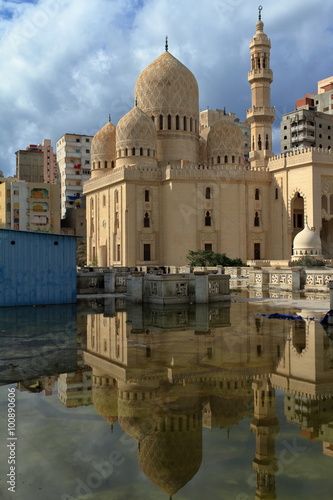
(162, 184)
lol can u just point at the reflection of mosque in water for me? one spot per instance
(166, 374)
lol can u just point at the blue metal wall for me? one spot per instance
(36, 268)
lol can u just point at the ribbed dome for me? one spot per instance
(307, 242)
(225, 139)
(166, 86)
(103, 145)
(171, 459)
(136, 130)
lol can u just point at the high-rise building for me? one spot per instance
(30, 164)
(311, 123)
(73, 159)
(37, 163)
(33, 206)
(50, 162)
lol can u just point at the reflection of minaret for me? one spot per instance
(266, 426)
(261, 115)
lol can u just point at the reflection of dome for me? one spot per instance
(225, 139)
(227, 412)
(171, 459)
(136, 135)
(307, 242)
(103, 150)
(166, 86)
(105, 401)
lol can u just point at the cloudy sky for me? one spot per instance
(66, 64)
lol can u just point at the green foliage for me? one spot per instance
(308, 261)
(202, 258)
(81, 251)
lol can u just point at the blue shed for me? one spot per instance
(37, 268)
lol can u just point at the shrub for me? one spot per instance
(308, 261)
(202, 258)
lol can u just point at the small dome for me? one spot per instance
(136, 130)
(225, 138)
(166, 86)
(307, 242)
(103, 145)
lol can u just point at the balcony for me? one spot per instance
(261, 112)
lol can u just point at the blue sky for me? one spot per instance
(67, 64)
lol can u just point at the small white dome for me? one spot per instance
(307, 242)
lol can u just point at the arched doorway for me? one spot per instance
(297, 214)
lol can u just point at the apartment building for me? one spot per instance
(33, 206)
(73, 159)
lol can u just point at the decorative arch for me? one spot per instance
(290, 199)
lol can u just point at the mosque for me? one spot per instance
(162, 184)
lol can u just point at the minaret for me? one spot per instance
(261, 115)
(265, 425)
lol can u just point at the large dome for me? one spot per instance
(166, 86)
(136, 130)
(225, 142)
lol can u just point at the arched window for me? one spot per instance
(232, 159)
(116, 197)
(208, 193)
(169, 122)
(276, 193)
(208, 219)
(177, 122)
(99, 164)
(218, 160)
(161, 122)
(148, 152)
(185, 123)
(112, 164)
(141, 152)
(257, 194)
(226, 159)
(191, 122)
(147, 194)
(259, 142)
(133, 151)
(256, 220)
(105, 164)
(153, 118)
(146, 220)
(267, 142)
(126, 152)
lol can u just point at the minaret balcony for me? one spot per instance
(266, 113)
(260, 73)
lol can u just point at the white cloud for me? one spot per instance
(67, 64)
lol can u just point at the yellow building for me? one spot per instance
(33, 206)
(161, 185)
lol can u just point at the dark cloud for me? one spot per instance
(69, 63)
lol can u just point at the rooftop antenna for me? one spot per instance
(166, 44)
(260, 9)
(110, 117)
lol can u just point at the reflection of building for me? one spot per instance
(33, 206)
(165, 373)
(73, 157)
(74, 389)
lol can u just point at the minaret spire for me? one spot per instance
(260, 9)
(166, 44)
